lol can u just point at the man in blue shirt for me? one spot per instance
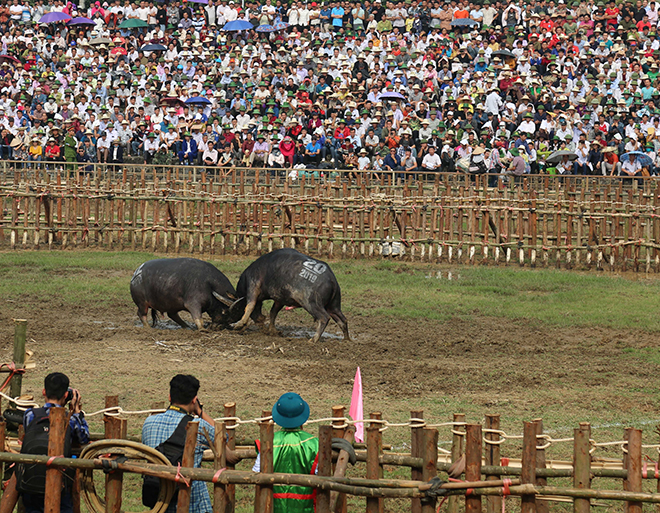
(313, 151)
(337, 15)
(158, 428)
(326, 21)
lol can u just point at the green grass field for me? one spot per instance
(565, 346)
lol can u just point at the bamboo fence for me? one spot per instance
(574, 222)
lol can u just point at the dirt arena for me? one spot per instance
(483, 363)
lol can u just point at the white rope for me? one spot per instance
(21, 404)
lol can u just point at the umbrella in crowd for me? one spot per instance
(280, 25)
(81, 21)
(100, 41)
(558, 156)
(119, 50)
(463, 22)
(641, 157)
(199, 1)
(237, 26)
(265, 28)
(391, 95)
(9, 58)
(54, 17)
(171, 101)
(153, 48)
(197, 100)
(503, 53)
(133, 23)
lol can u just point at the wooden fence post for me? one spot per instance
(266, 433)
(374, 504)
(187, 461)
(416, 435)
(20, 334)
(114, 481)
(528, 475)
(325, 467)
(430, 464)
(230, 489)
(339, 432)
(57, 432)
(634, 467)
(492, 458)
(220, 500)
(542, 505)
(472, 465)
(257, 488)
(456, 453)
(581, 465)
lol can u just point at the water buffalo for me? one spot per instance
(290, 278)
(174, 284)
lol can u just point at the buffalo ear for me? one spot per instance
(223, 299)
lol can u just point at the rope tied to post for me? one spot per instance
(13, 371)
(180, 478)
(216, 476)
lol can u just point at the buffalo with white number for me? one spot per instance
(290, 278)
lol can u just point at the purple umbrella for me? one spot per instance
(199, 1)
(54, 17)
(80, 21)
(391, 95)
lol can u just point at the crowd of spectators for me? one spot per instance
(421, 86)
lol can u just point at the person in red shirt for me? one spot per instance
(547, 24)
(52, 151)
(461, 12)
(612, 14)
(643, 24)
(288, 148)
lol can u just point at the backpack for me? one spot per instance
(172, 449)
(32, 478)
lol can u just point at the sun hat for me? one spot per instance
(290, 411)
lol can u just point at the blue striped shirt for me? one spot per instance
(157, 429)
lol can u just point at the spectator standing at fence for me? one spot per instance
(57, 394)
(294, 452)
(158, 428)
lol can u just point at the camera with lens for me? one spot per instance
(69, 396)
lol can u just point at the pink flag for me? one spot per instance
(355, 411)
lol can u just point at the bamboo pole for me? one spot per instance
(257, 489)
(528, 475)
(472, 464)
(429, 470)
(57, 432)
(324, 466)
(338, 501)
(20, 334)
(492, 458)
(582, 465)
(187, 460)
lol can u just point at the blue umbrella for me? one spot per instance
(265, 28)
(197, 100)
(463, 22)
(643, 158)
(237, 25)
(153, 48)
(280, 25)
(80, 21)
(54, 17)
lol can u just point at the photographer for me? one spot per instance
(157, 429)
(29, 481)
